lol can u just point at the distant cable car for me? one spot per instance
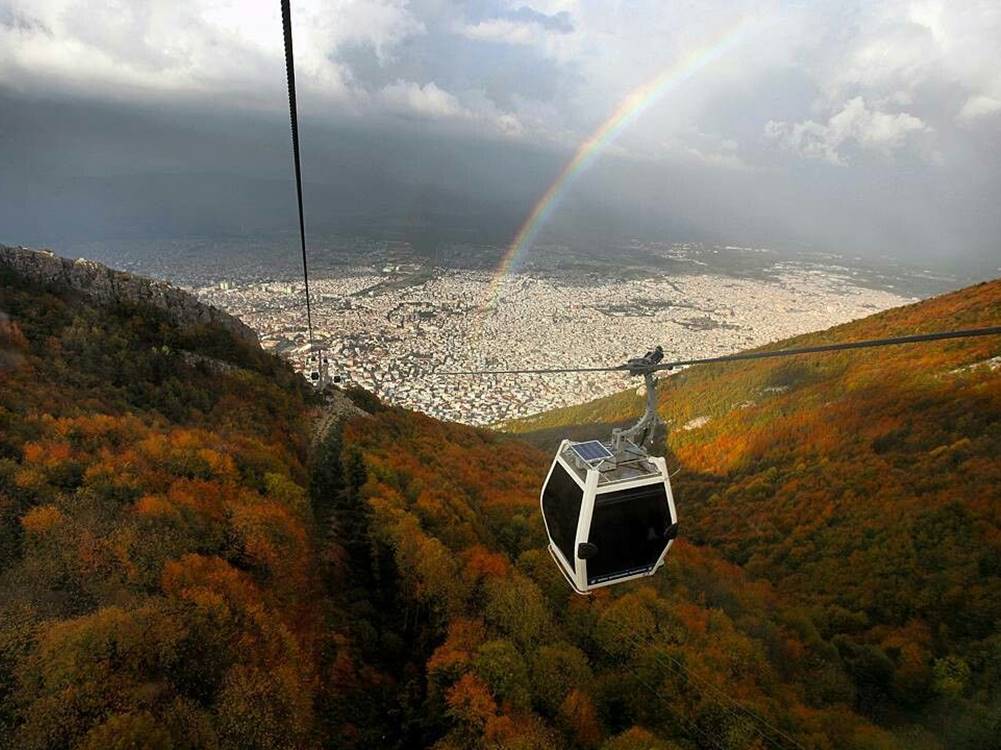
(318, 372)
(608, 507)
(317, 367)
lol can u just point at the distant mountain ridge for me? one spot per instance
(107, 285)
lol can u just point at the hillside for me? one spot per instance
(179, 568)
(864, 486)
(109, 287)
(155, 537)
(499, 653)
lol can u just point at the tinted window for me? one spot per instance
(628, 528)
(561, 506)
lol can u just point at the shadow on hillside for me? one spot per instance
(549, 439)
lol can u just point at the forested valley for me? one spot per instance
(184, 563)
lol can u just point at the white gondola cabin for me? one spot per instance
(610, 516)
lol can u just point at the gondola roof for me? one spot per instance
(634, 465)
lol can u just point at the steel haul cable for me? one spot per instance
(734, 708)
(294, 120)
(866, 344)
(690, 725)
(686, 676)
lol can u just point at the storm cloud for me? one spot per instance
(857, 127)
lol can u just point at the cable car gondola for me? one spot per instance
(317, 369)
(607, 506)
(609, 519)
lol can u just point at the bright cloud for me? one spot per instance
(229, 48)
(869, 75)
(977, 107)
(854, 125)
(428, 100)
(523, 25)
(503, 30)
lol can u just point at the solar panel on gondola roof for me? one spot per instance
(592, 450)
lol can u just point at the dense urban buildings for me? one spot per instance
(396, 327)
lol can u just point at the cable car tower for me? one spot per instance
(607, 505)
(317, 369)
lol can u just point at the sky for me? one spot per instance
(869, 128)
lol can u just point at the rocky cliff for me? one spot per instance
(108, 286)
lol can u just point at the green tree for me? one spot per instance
(500, 665)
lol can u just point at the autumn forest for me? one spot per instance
(186, 561)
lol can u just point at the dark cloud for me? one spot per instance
(83, 171)
(503, 73)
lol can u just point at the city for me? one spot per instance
(395, 328)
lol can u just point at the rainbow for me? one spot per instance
(629, 110)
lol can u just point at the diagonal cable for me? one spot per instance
(639, 369)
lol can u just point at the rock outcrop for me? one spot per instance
(109, 286)
(336, 408)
